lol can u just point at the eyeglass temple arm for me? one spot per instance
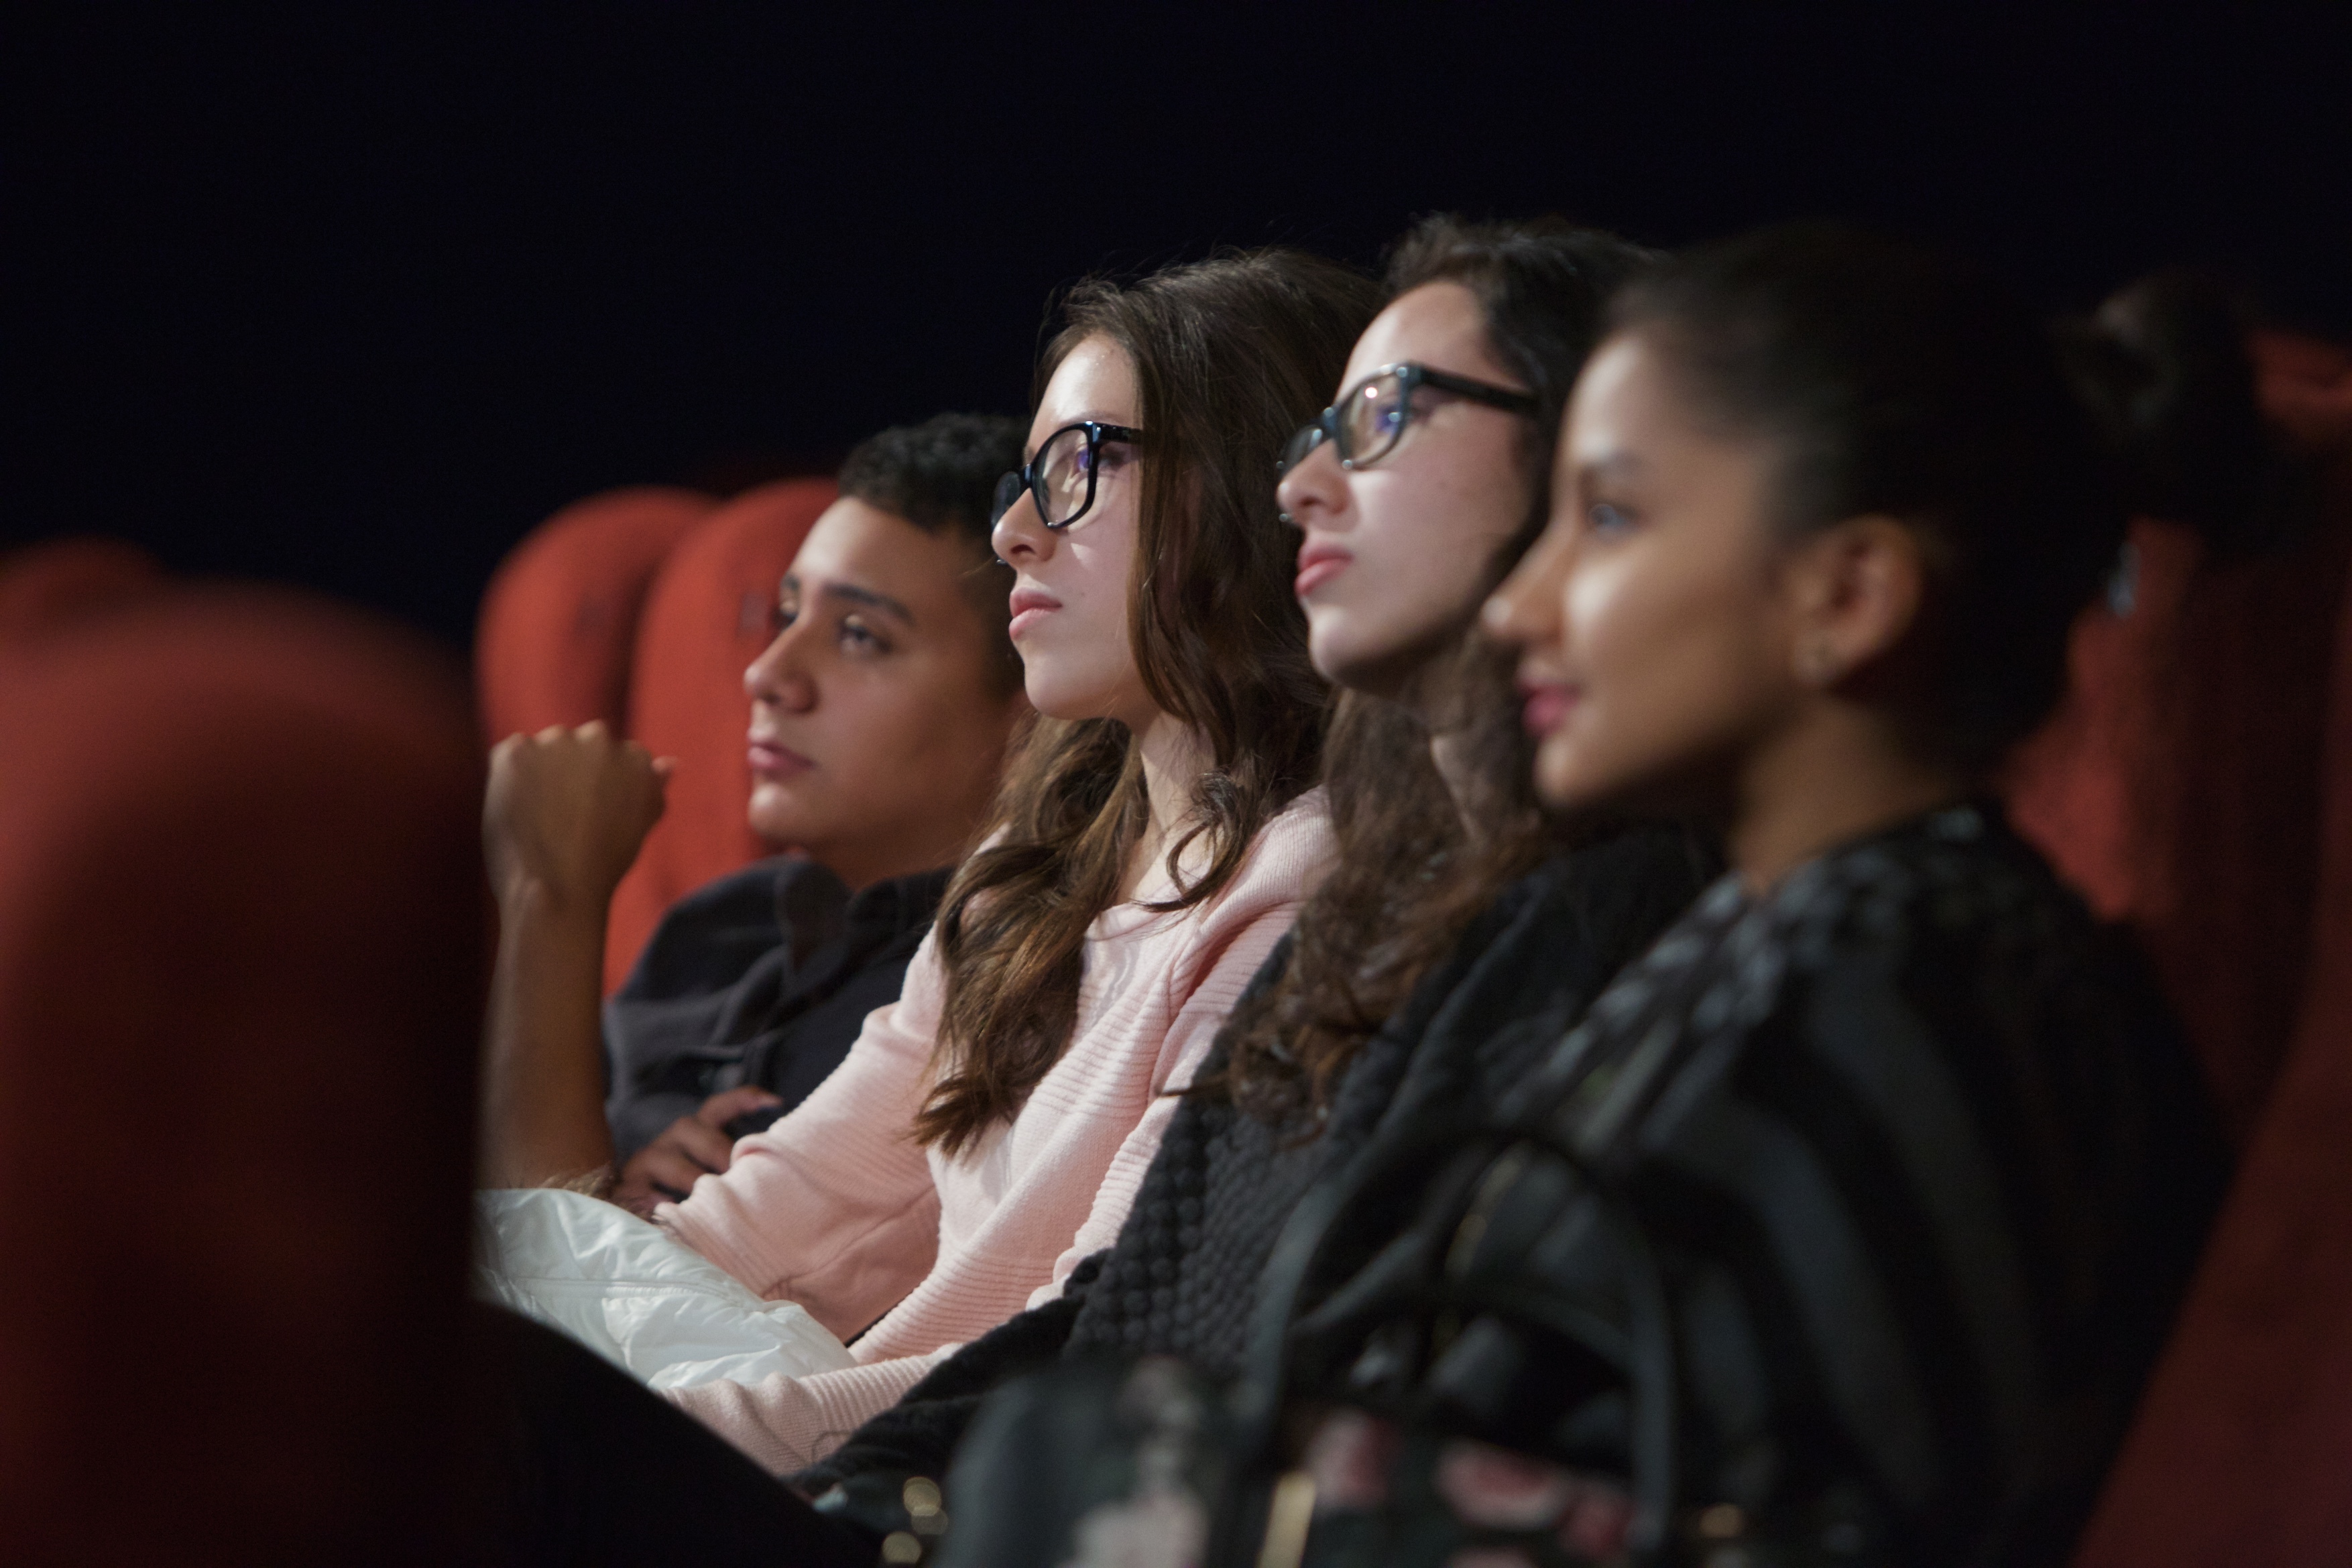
(1479, 392)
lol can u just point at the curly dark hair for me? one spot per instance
(941, 476)
(1409, 877)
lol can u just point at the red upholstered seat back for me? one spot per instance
(2242, 1452)
(48, 587)
(706, 618)
(559, 623)
(241, 917)
(2180, 783)
(2178, 786)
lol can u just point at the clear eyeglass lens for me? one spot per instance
(1301, 446)
(1008, 496)
(1061, 469)
(1374, 417)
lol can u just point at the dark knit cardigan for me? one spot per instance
(1182, 1278)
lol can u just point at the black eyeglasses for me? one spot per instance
(1369, 418)
(1061, 477)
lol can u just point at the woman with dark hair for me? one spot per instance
(1864, 1200)
(1461, 929)
(987, 1130)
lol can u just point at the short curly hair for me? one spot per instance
(941, 476)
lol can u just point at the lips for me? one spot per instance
(1030, 605)
(1546, 705)
(772, 759)
(1319, 564)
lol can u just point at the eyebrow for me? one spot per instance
(854, 595)
(1611, 466)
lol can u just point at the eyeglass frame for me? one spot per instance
(1031, 481)
(1412, 376)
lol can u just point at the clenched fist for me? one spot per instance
(566, 812)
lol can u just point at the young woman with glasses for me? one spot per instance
(1153, 841)
(1462, 930)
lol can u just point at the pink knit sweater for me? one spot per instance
(836, 1208)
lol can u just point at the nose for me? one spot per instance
(1315, 491)
(1020, 536)
(780, 675)
(1528, 608)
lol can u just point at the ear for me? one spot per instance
(1856, 590)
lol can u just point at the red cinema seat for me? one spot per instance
(559, 622)
(48, 587)
(2178, 785)
(2242, 1449)
(240, 986)
(706, 618)
(2306, 389)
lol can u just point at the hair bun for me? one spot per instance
(2165, 370)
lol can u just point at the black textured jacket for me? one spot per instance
(1181, 1278)
(1924, 1166)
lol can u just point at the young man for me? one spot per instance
(880, 714)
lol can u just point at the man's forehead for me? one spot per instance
(859, 551)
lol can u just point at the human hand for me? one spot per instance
(1488, 1488)
(566, 812)
(666, 1169)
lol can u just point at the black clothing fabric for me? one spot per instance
(1925, 1168)
(763, 976)
(1181, 1278)
(573, 1465)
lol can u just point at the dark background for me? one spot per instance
(353, 298)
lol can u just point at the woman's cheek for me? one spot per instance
(1592, 599)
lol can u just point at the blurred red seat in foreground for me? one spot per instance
(706, 618)
(2242, 1449)
(558, 621)
(46, 588)
(240, 947)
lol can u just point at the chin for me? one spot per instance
(1563, 784)
(1385, 669)
(1058, 702)
(782, 824)
(1331, 655)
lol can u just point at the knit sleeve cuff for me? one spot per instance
(788, 1424)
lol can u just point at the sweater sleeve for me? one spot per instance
(1206, 987)
(787, 1423)
(791, 1423)
(919, 1435)
(835, 1205)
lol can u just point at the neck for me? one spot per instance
(1448, 752)
(1174, 757)
(1443, 692)
(861, 866)
(943, 838)
(1837, 774)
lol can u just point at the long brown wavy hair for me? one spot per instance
(1410, 877)
(1231, 355)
